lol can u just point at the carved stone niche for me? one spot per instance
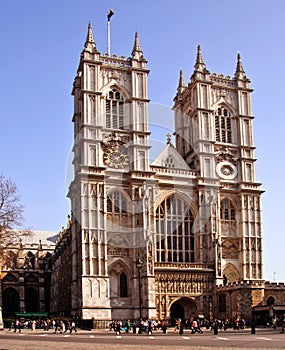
(224, 154)
(230, 249)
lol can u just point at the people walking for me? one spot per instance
(57, 326)
(149, 327)
(177, 324)
(118, 327)
(67, 328)
(128, 326)
(17, 326)
(73, 327)
(196, 326)
(283, 324)
(62, 326)
(163, 326)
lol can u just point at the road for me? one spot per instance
(106, 340)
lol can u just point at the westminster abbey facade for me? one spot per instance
(177, 237)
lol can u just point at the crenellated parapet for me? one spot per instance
(241, 284)
(275, 285)
(240, 297)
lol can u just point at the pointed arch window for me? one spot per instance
(114, 110)
(270, 301)
(11, 300)
(227, 211)
(123, 285)
(228, 218)
(223, 126)
(116, 203)
(175, 241)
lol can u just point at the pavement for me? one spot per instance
(104, 339)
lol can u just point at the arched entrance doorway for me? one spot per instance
(183, 308)
(10, 302)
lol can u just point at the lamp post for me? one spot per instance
(211, 311)
(139, 267)
(252, 321)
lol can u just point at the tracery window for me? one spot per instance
(116, 203)
(227, 210)
(223, 125)
(228, 218)
(114, 110)
(174, 231)
(169, 162)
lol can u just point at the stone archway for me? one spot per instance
(121, 290)
(231, 273)
(183, 308)
(11, 302)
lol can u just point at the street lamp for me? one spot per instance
(139, 267)
(211, 311)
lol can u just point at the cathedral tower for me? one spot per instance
(111, 154)
(213, 128)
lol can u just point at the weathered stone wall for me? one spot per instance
(275, 291)
(240, 298)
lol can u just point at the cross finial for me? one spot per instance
(168, 138)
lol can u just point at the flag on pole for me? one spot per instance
(110, 14)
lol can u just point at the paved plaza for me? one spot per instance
(104, 339)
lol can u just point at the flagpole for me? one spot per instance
(109, 38)
(110, 14)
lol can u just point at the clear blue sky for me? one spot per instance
(40, 46)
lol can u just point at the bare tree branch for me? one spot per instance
(11, 215)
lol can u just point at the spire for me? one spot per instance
(137, 46)
(200, 70)
(240, 73)
(90, 43)
(199, 65)
(90, 38)
(137, 52)
(181, 84)
(181, 79)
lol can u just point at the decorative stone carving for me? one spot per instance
(115, 251)
(230, 249)
(225, 154)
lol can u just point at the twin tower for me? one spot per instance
(156, 239)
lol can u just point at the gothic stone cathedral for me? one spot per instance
(192, 217)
